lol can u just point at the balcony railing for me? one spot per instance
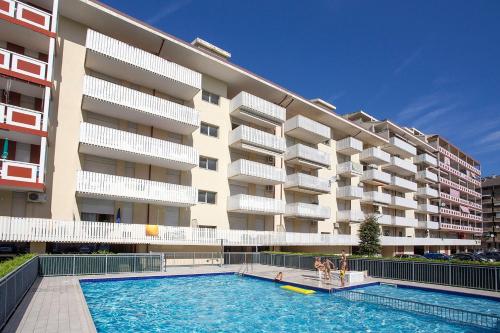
(407, 222)
(111, 143)
(428, 209)
(377, 197)
(121, 60)
(307, 211)
(427, 192)
(457, 227)
(403, 203)
(349, 169)
(402, 185)
(250, 204)
(257, 110)
(18, 171)
(20, 117)
(401, 241)
(305, 183)
(400, 147)
(120, 102)
(248, 138)
(459, 187)
(426, 176)
(350, 192)
(307, 156)
(375, 177)
(23, 67)
(307, 129)
(26, 13)
(457, 173)
(375, 156)
(425, 159)
(350, 216)
(400, 166)
(459, 200)
(459, 214)
(459, 160)
(430, 225)
(256, 173)
(111, 187)
(349, 146)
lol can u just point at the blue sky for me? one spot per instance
(434, 65)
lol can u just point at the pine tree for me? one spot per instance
(369, 236)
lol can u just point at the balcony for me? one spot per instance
(23, 67)
(25, 14)
(256, 173)
(402, 203)
(406, 222)
(307, 130)
(374, 156)
(375, 197)
(122, 61)
(375, 177)
(19, 176)
(307, 211)
(414, 241)
(400, 167)
(447, 182)
(301, 182)
(111, 143)
(17, 119)
(256, 110)
(401, 148)
(427, 192)
(426, 176)
(429, 225)
(257, 141)
(111, 187)
(114, 100)
(350, 216)
(401, 185)
(307, 157)
(250, 204)
(427, 209)
(461, 228)
(426, 160)
(349, 146)
(349, 192)
(350, 169)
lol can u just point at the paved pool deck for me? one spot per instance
(57, 304)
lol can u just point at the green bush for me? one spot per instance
(9, 265)
(369, 237)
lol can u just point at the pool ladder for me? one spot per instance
(243, 269)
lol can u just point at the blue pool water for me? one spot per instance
(228, 303)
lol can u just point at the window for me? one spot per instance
(206, 197)
(208, 163)
(209, 130)
(210, 97)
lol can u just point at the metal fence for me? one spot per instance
(209, 258)
(450, 274)
(14, 286)
(451, 314)
(53, 265)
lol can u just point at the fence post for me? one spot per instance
(449, 274)
(74, 263)
(194, 254)
(497, 276)
(382, 269)
(106, 265)
(413, 271)
(284, 260)
(299, 260)
(135, 259)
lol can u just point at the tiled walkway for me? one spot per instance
(56, 304)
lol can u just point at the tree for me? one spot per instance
(369, 236)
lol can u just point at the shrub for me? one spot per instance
(10, 265)
(369, 237)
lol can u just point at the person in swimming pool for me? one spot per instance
(278, 277)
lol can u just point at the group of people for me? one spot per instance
(326, 266)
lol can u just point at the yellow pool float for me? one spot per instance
(298, 290)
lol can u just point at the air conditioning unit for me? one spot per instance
(270, 160)
(36, 197)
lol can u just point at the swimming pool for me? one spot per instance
(229, 303)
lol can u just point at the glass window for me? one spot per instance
(206, 196)
(209, 130)
(208, 163)
(210, 97)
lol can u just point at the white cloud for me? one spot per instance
(493, 137)
(168, 9)
(408, 61)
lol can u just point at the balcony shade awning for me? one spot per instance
(465, 209)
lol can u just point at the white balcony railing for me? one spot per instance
(430, 225)
(400, 166)
(18, 171)
(375, 156)
(307, 183)
(401, 147)
(453, 171)
(307, 129)
(14, 229)
(108, 142)
(349, 192)
(257, 110)
(425, 159)
(28, 68)
(111, 187)
(350, 216)
(307, 211)
(427, 192)
(20, 117)
(349, 169)
(377, 177)
(426, 176)
(402, 185)
(459, 160)
(251, 204)
(349, 146)
(26, 13)
(121, 60)
(255, 172)
(406, 222)
(448, 197)
(121, 102)
(462, 188)
(457, 227)
(403, 203)
(248, 138)
(376, 197)
(428, 209)
(309, 156)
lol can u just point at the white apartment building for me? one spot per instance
(151, 143)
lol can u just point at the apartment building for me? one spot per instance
(156, 144)
(491, 212)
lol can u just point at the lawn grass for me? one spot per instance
(9, 265)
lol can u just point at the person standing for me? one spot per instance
(318, 266)
(328, 264)
(343, 268)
